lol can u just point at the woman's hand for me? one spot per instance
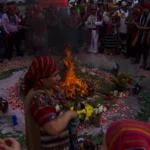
(73, 114)
(136, 24)
(59, 124)
(11, 144)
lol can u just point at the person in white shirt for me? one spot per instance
(92, 24)
(123, 26)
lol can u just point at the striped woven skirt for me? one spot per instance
(58, 142)
(110, 41)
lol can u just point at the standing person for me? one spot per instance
(143, 27)
(47, 126)
(92, 33)
(73, 23)
(28, 20)
(40, 37)
(55, 30)
(10, 23)
(102, 13)
(1, 34)
(110, 24)
(132, 32)
(80, 8)
(123, 27)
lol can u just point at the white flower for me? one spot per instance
(95, 112)
(115, 93)
(100, 109)
(120, 95)
(94, 69)
(83, 70)
(98, 105)
(105, 109)
(92, 73)
(96, 96)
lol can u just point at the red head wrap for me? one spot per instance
(40, 68)
(93, 7)
(37, 9)
(138, 6)
(146, 5)
(11, 8)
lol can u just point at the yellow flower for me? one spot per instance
(51, 92)
(88, 111)
(119, 14)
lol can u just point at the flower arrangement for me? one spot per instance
(99, 109)
(122, 81)
(86, 113)
(115, 94)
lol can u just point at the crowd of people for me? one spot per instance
(99, 28)
(111, 30)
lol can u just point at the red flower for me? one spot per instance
(108, 94)
(130, 81)
(101, 113)
(107, 106)
(102, 121)
(109, 97)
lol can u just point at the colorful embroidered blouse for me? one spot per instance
(43, 111)
(43, 108)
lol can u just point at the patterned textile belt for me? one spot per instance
(60, 141)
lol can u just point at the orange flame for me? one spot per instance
(72, 86)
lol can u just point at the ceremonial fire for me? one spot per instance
(72, 86)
